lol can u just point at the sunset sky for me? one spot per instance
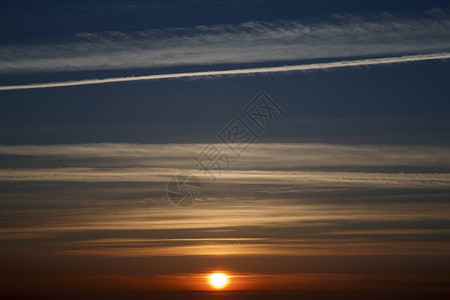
(339, 190)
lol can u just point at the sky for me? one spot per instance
(300, 147)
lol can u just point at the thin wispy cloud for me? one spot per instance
(416, 38)
(124, 212)
(339, 36)
(257, 156)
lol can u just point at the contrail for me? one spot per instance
(304, 67)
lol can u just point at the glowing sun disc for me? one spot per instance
(218, 280)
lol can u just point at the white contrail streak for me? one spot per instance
(305, 67)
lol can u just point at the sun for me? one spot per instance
(218, 280)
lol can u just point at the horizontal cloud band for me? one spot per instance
(337, 36)
(257, 156)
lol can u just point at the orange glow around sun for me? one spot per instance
(218, 280)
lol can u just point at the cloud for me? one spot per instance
(252, 42)
(258, 156)
(279, 171)
(123, 211)
(416, 38)
(316, 179)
